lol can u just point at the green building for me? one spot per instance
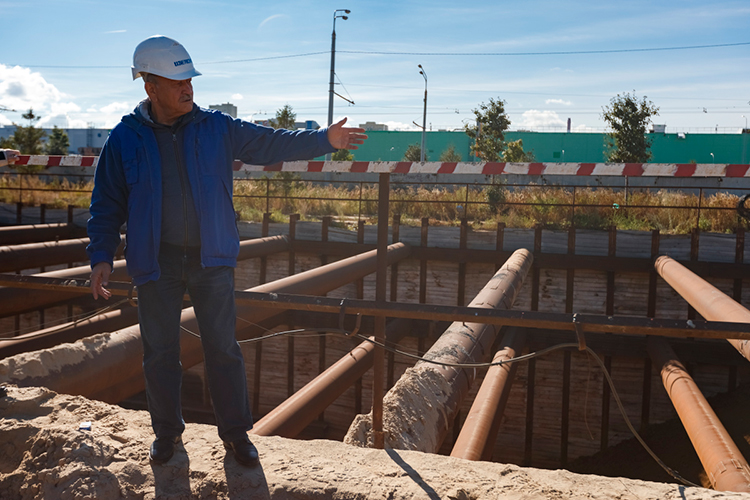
(564, 147)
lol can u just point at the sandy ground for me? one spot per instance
(45, 455)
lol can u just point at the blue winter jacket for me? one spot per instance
(128, 184)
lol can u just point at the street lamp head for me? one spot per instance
(347, 11)
(344, 18)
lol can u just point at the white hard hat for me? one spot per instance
(162, 56)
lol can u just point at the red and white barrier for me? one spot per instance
(401, 167)
(57, 161)
(578, 169)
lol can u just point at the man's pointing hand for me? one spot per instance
(342, 137)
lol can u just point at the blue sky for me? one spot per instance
(70, 60)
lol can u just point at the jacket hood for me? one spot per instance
(140, 115)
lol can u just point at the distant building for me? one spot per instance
(227, 108)
(373, 126)
(83, 141)
(307, 125)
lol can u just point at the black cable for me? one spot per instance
(673, 473)
(445, 54)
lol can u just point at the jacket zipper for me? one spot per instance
(181, 172)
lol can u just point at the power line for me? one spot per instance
(552, 53)
(427, 54)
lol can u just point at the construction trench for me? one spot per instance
(669, 340)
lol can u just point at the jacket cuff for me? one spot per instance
(101, 256)
(323, 141)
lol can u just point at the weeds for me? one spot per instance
(670, 211)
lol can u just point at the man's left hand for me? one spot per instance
(342, 137)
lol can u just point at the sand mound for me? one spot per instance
(45, 454)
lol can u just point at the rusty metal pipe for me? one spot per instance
(15, 301)
(723, 462)
(68, 332)
(48, 253)
(709, 301)
(34, 233)
(460, 343)
(114, 359)
(477, 438)
(293, 415)
(19, 301)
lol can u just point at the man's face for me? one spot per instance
(170, 98)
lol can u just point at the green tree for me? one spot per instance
(342, 155)
(58, 142)
(414, 153)
(489, 130)
(285, 118)
(450, 155)
(28, 140)
(514, 153)
(629, 118)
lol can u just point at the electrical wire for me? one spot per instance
(673, 473)
(77, 319)
(550, 53)
(443, 54)
(301, 332)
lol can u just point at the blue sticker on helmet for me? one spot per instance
(184, 61)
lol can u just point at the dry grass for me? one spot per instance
(670, 211)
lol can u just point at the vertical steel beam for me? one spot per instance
(423, 262)
(535, 269)
(694, 249)
(528, 449)
(739, 258)
(499, 242)
(384, 188)
(461, 288)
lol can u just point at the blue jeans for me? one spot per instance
(160, 305)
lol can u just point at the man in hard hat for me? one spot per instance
(166, 170)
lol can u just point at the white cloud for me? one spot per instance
(585, 128)
(77, 123)
(269, 19)
(237, 97)
(558, 101)
(21, 89)
(536, 118)
(116, 107)
(5, 121)
(401, 126)
(115, 31)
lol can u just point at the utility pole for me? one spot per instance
(336, 14)
(422, 153)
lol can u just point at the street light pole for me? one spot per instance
(422, 154)
(336, 15)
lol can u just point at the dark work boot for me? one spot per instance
(244, 451)
(162, 449)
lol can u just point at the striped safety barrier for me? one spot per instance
(482, 168)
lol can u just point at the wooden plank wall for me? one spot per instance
(559, 408)
(540, 385)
